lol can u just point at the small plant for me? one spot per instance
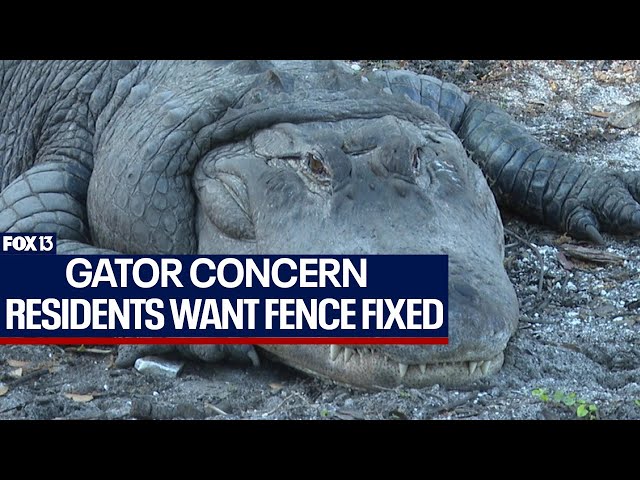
(540, 394)
(324, 413)
(589, 410)
(404, 394)
(582, 408)
(637, 402)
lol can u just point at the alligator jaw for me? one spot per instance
(364, 367)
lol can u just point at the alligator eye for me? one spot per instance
(317, 166)
(415, 162)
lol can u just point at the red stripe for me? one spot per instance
(224, 340)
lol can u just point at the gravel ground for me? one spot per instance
(575, 353)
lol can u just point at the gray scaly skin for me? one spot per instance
(294, 158)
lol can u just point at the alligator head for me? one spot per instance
(383, 184)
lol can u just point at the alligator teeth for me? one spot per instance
(335, 351)
(472, 367)
(423, 368)
(348, 353)
(403, 369)
(484, 366)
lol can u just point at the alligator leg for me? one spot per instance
(547, 186)
(128, 354)
(542, 185)
(51, 198)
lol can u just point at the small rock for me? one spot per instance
(627, 117)
(571, 287)
(150, 409)
(604, 310)
(347, 414)
(632, 305)
(355, 67)
(159, 366)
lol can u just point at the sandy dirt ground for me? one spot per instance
(575, 354)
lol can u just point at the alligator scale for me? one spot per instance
(297, 157)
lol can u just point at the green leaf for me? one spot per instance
(558, 396)
(569, 401)
(593, 408)
(582, 411)
(637, 402)
(539, 391)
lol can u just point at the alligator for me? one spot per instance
(295, 157)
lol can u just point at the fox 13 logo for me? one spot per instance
(28, 243)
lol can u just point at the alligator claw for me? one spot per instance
(593, 234)
(616, 201)
(607, 202)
